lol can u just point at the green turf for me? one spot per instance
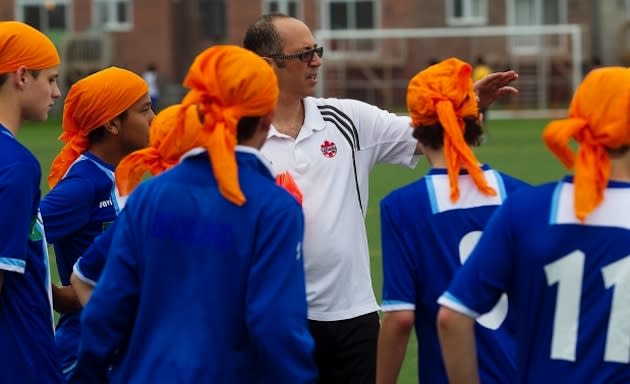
(513, 146)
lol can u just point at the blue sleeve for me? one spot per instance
(17, 195)
(66, 208)
(276, 298)
(90, 265)
(108, 317)
(398, 272)
(487, 274)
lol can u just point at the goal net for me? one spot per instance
(375, 65)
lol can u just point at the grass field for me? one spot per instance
(514, 146)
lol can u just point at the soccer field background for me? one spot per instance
(512, 146)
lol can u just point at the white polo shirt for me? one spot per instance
(331, 159)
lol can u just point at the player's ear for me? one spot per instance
(113, 126)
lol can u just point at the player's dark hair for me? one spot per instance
(246, 128)
(618, 152)
(432, 136)
(98, 134)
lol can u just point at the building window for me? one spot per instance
(50, 17)
(288, 7)
(536, 12)
(466, 12)
(113, 15)
(213, 16)
(350, 14)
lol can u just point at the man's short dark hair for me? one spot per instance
(262, 36)
(432, 136)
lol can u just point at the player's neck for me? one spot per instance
(9, 115)
(620, 168)
(107, 154)
(289, 116)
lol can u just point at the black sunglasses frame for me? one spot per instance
(305, 57)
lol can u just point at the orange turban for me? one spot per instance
(161, 154)
(599, 118)
(91, 102)
(21, 44)
(444, 93)
(227, 83)
(286, 181)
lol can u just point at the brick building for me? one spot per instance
(169, 33)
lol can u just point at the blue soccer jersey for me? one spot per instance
(89, 266)
(568, 283)
(26, 323)
(75, 211)
(425, 240)
(199, 290)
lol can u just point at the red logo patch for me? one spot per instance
(329, 149)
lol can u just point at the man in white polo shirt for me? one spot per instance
(330, 146)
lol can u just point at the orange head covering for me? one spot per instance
(599, 118)
(286, 181)
(444, 93)
(227, 83)
(21, 44)
(161, 154)
(91, 102)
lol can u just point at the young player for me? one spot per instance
(159, 155)
(430, 226)
(29, 67)
(106, 116)
(561, 252)
(211, 248)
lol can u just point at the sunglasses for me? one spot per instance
(305, 57)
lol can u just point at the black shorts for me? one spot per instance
(345, 350)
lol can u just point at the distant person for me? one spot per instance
(561, 253)
(29, 68)
(151, 77)
(106, 115)
(429, 227)
(204, 280)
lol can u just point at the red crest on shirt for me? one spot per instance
(329, 149)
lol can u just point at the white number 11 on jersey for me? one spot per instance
(568, 273)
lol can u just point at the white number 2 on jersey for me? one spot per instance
(568, 272)
(496, 316)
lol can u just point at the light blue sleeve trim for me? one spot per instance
(432, 198)
(555, 202)
(453, 303)
(501, 185)
(77, 271)
(397, 305)
(13, 265)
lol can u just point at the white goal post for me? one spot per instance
(341, 46)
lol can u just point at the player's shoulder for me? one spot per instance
(406, 195)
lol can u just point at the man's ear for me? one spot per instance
(113, 126)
